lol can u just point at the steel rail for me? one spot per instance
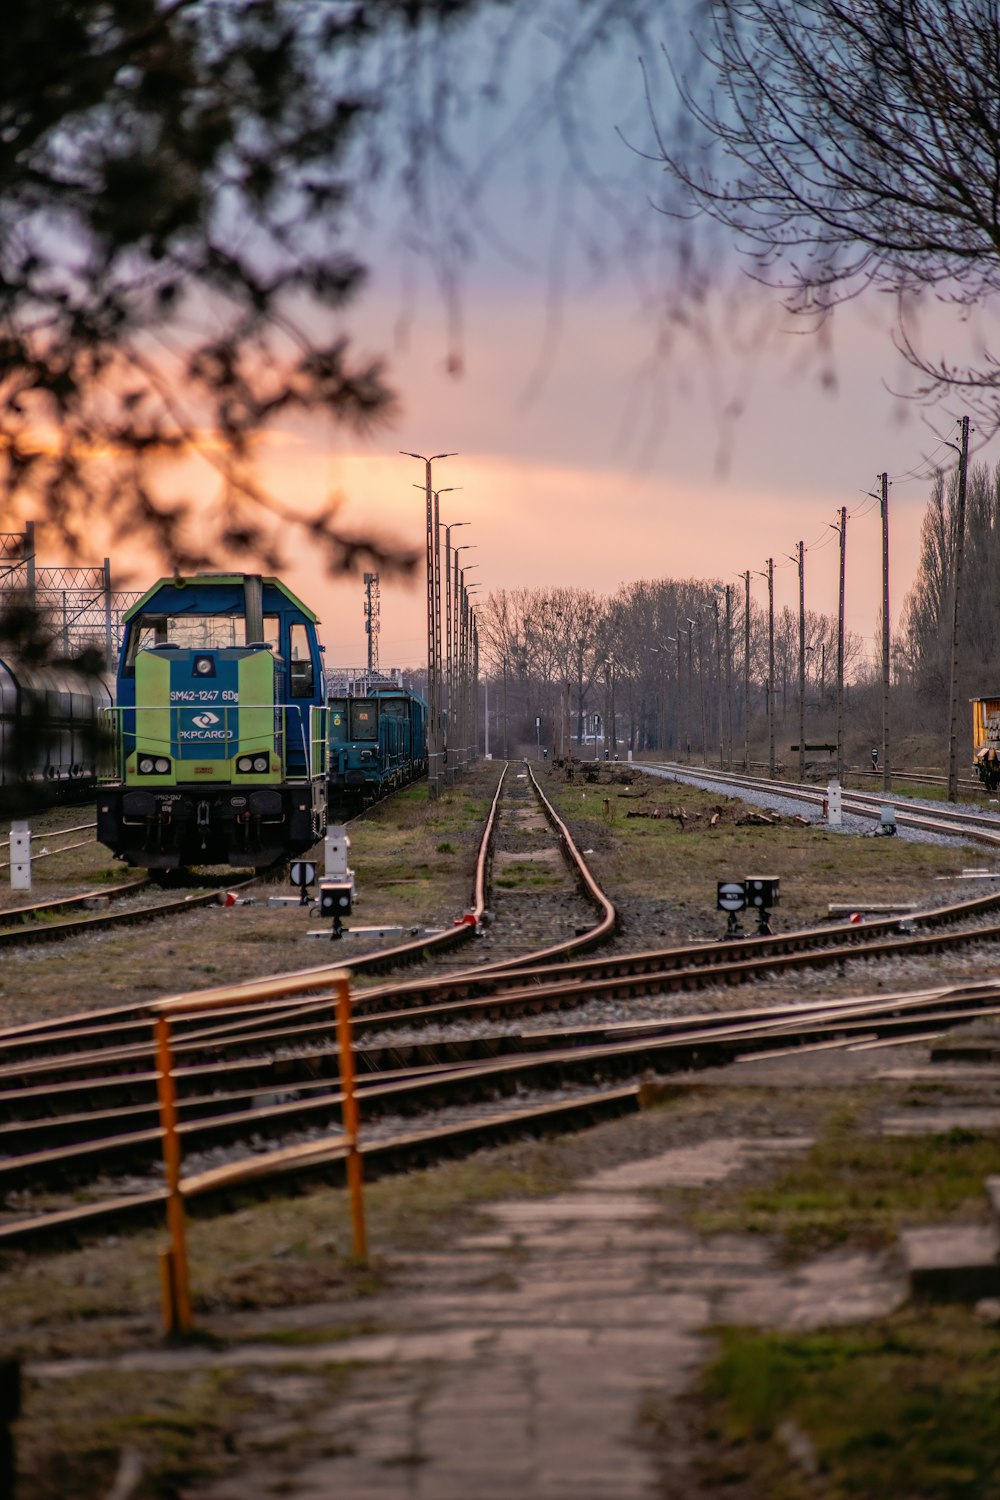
(67, 903)
(481, 991)
(973, 825)
(18, 1040)
(700, 1046)
(75, 926)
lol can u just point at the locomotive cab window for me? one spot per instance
(300, 663)
(192, 632)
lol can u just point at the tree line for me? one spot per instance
(667, 658)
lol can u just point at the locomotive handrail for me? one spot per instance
(313, 744)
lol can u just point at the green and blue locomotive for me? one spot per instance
(220, 727)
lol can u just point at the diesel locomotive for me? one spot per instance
(219, 727)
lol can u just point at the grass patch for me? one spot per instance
(72, 1436)
(909, 1406)
(675, 852)
(526, 877)
(858, 1189)
(177, 1429)
(288, 1251)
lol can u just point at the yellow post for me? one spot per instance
(354, 1171)
(173, 1265)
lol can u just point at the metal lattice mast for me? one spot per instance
(77, 604)
(372, 619)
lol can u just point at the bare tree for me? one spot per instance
(851, 144)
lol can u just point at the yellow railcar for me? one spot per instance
(986, 741)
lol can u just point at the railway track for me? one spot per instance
(978, 826)
(484, 1089)
(77, 1095)
(49, 837)
(55, 919)
(100, 1037)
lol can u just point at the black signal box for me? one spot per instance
(335, 898)
(762, 891)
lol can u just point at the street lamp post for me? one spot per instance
(687, 701)
(464, 707)
(674, 641)
(434, 736)
(450, 607)
(728, 592)
(610, 665)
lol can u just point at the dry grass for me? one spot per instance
(403, 875)
(679, 854)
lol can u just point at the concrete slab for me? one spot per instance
(992, 1186)
(519, 1363)
(939, 1122)
(693, 1166)
(952, 1263)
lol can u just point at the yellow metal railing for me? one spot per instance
(174, 1277)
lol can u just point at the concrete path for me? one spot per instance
(532, 1361)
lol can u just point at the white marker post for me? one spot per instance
(337, 845)
(20, 856)
(835, 811)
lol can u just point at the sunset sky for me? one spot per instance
(581, 458)
(578, 484)
(583, 461)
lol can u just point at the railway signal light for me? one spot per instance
(762, 894)
(731, 898)
(762, 891)
(335, 898)
(757, 892)
(303, 874)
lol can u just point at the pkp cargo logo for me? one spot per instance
(204, 728)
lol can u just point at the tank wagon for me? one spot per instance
(378, 742)
(220, 727)
(48, 728)
(986, 741)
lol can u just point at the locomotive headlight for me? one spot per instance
(153, 765)
(261, 763)
(204, 666)
(244, 763)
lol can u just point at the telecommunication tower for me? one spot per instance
(372, 619)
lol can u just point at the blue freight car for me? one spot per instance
(378, 742)
(220, 727)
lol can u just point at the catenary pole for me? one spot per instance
(886, 721)
(802, 661)
(963, 466)
(842, 528)
(746, 673)
(434, 736)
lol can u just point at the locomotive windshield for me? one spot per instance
(195, 632)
